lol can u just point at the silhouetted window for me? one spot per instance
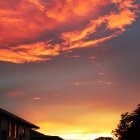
(12, 130)
(22, 133)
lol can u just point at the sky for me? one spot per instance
(70, 66)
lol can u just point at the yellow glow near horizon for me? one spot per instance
(72, 133)
(84, 136)
(86, 127)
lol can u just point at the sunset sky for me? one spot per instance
(71, 67)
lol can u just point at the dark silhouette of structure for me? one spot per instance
(39, 136)
(13, 127)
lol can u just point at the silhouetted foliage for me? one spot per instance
(104, 138)
(129, 126)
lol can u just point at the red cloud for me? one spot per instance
(26, 26)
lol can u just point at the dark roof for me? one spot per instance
(39, 136)
(9, 116)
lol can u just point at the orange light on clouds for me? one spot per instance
(82, 97)
(120, 20)
(36, 98)
(16, 94)
(73, 9)
(23, 25)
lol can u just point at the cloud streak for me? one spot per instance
(37, 30)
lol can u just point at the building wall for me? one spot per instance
(3, 124)
(22, 132)
(27, 134)
(3, 129)
(10, 138)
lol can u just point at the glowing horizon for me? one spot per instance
(77, 134)
(84, 137)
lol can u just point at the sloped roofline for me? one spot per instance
(38, 135)
(11, 116)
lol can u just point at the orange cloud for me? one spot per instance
(15, 94)
(27, 53)
(71, 9)
(36, 98)
(80, 83)
(121, 20)
(26, 27)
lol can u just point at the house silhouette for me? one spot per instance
(13, 127)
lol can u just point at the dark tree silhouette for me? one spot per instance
(104, 138)
(129, 126)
